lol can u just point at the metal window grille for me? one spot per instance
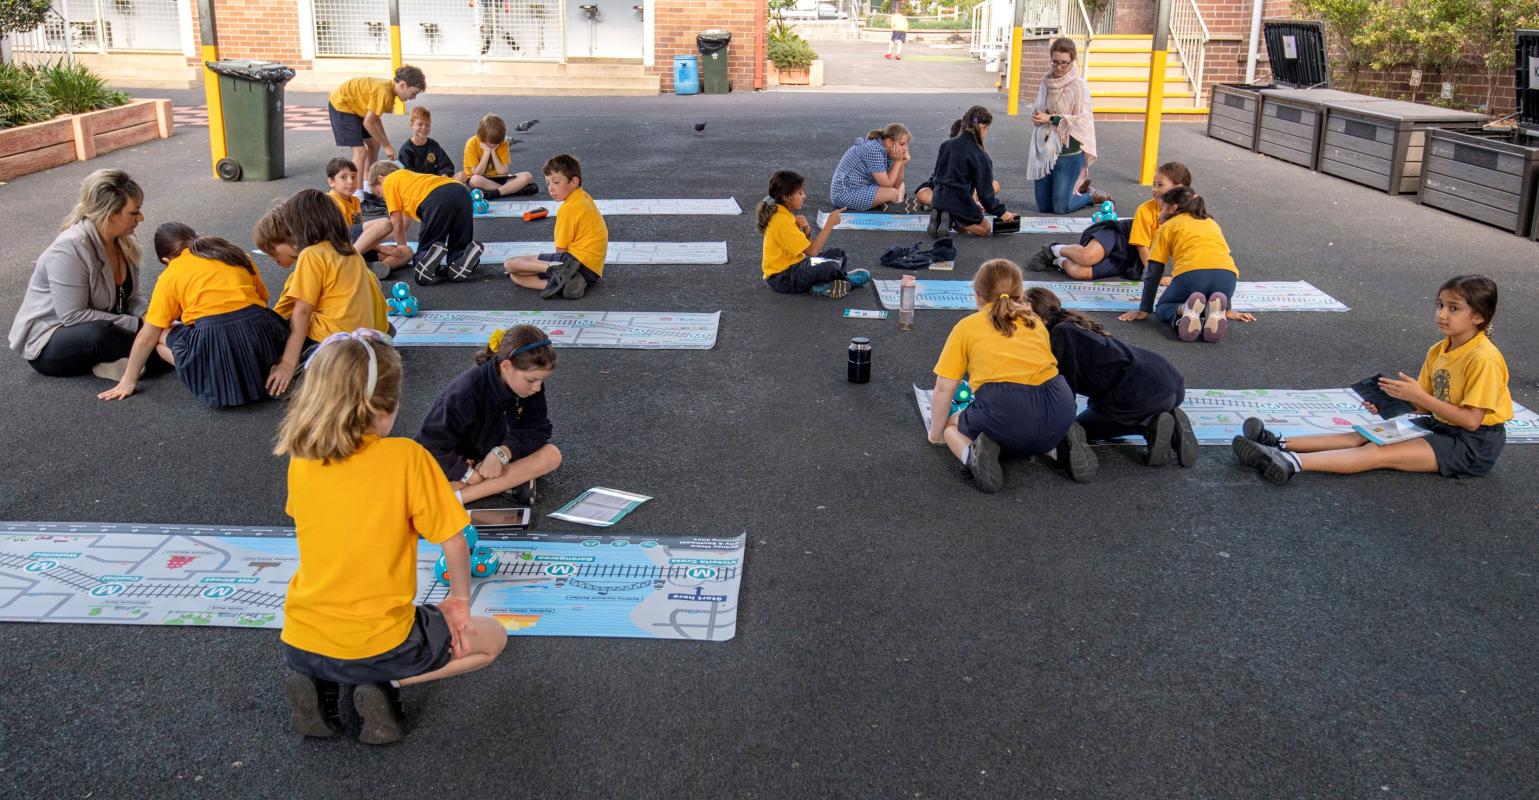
(100, 26)
(352, 27)
(494, 29)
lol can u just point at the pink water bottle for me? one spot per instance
(908, 289)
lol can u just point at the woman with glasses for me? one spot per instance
(1063, 143)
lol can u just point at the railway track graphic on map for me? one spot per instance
(93, 584)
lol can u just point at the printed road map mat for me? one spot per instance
(726, 206)
(1253, 296)
(1217, 414)
(620, 252)
(546, 584)
(917, 223)
(620, 330)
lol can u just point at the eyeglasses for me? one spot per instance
(1062, 63)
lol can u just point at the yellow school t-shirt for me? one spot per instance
(359, 96)
(473, 151)
(1185, 243)
(784, 243)
(356, 522)
(581, 231)
(404, 190)
(1145, 221)
(899, 22)
(193, 287)
(350, 206)
(1473, 375)
(976, 350)
(344, 292)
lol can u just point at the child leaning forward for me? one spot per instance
(792, 263)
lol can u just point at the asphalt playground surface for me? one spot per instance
(1157, 633)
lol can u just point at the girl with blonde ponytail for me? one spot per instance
(1020, 403)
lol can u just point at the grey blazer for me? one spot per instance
(72, 283)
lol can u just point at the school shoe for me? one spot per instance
(1042, 260)
(1189, 326)
(312, 706)
(556, 278)
(1097, 197)
(1159, 437)
(576, 286)
(428, 264)
(983, 464)
(1185, 439)
(940, 223)
(1255, 430)
(522, 494)
(464, 268)
(1074, 452)
(379, 269)
(379, 706)
(1217, 322)
(858, 277)
(889, 55)
(913, 206)
(532, 188)
(832, 290)
(1271, 462)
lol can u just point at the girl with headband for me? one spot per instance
(360, 499)
(1021, 405)
(489, 430)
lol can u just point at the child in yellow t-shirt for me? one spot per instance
(486, 162)
(1021, 404)
(899, 24)
(1118, 248)
(330, 290)
(582, 238)
(360, 501)
(342, 179)
(208, 316)
(446, 245)
(793, 264)
(357, 105)
(1203, 273)
(1462, 388)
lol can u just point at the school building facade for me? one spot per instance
(566, 47)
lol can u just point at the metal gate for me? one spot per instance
(103, 26)
(521, 30)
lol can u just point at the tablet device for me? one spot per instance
(491, 519)
(1368, 389)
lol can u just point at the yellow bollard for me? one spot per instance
(395, 49)
(1013, 105)
(209, 50)
(1154, 112)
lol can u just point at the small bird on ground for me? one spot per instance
(526, 125)
(699, 128)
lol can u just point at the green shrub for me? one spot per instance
(74, 89)
(791, 52)
(22, 100)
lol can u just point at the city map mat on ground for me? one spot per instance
(1218, 414)
(726, 206)
(619, 252)
(620, 330)
(1253, 296)
(546, 584)
(919, 223)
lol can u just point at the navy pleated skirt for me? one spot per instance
(224, 359)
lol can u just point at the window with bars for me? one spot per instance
(497, 29)
(106, 25)
(352, 27)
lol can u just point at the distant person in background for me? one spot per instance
(899, 24)
(1063, 145)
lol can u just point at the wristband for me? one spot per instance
(469, 473)
(502, 454)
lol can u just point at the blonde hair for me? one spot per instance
(103, 193)
(999, 283)
(330, 415)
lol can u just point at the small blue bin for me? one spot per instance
(686, 75)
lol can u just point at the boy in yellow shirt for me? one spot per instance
(342, 179)
(899, 24)
(486, 162)
(446, 246)
(582, 238)
(357, 105)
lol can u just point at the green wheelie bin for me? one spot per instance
(252, 95)
(713, 45)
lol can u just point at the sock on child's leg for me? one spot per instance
(1294, 458)
(1057, 249)
(966, 452)
(1060, 261)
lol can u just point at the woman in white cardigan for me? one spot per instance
(1063, 141)
(84, 300)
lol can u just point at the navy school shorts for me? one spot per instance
(426, 648)
(346, 129)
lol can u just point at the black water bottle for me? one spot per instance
(860, 360)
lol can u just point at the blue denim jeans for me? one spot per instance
(1055, 193)
(1207, 281)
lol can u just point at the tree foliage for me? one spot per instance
(22, 15)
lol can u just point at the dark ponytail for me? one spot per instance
(174, 237)
(1049, 309)
(312, 218)
(501, 348)
(1479, 293)
(1183, 200)
(976, 117)
(782, 184)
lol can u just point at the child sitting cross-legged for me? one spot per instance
(486, 162)
(489, 430)
(360, 499)
(342, 179)
(792, 263)
(582, 238)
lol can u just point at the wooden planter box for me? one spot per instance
(81, 137)
(1381, 143)
(793, 77)
(1291, 123)
(1484, 175)
(1234, 113)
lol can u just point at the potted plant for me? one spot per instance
(792, 57)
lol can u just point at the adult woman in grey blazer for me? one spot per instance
(84, 299)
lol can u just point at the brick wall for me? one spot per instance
(1134, 16)
(264, 29)
(678, 21)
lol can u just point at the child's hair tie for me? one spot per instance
(771, 200)
(524, 348)
(1004, 296)
(361, 336)
(494, 342)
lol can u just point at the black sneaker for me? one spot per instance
(1042, 260)
(532, 188)
(464, 268)
(1075, 453)
(427, 265)
(576, 286)
(379, 706)
(1159, 438)
(522, 494)
(312, 706)
(1185, 439)
(940, 223)
(556, 278)
(1269, 461)
(1255, 430)
(983, 463)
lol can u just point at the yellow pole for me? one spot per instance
(211, 97)
(1154, 105)
(395, 47)
(1013, 105)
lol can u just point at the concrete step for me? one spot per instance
(1103, 74)
(1129, 49)
(1135, 105)
(596, 77)
(1175, 90)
